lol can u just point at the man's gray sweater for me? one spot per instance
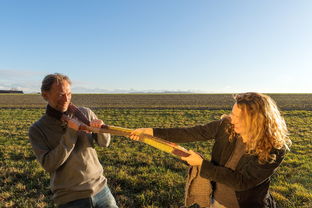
(69, 157)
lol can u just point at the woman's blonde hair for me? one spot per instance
(266, 128)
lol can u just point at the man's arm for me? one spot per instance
(52, 159)
(102, 139)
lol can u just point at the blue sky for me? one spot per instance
(155, 45)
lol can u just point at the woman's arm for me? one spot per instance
(191, 134)
(249, 175)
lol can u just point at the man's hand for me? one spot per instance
(97, 123)
(194, 159)
(73, 123)
(135, 133)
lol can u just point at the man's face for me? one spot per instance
(59, 96)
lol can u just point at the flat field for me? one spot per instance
(139, 175)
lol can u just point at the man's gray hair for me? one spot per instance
(48, 81)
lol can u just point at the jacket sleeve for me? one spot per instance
(248, 176)
(192, 134)
(52, 159)
(102, 139)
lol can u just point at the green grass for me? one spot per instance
(139, 175)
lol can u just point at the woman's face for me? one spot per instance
(237, 120)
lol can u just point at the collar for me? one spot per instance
(54, 113)
(72, 111)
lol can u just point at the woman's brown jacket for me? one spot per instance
(250, 180)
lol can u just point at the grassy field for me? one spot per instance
(185, 101)
(139, 175)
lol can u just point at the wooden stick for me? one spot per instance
(163, 145)
(156, 142)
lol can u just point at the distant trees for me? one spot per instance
(12, 90)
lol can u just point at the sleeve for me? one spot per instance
(192, 134)
(102, 139)
(52, 159)
(250, 175)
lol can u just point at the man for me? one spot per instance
(68, 154)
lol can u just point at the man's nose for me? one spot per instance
(65, 98)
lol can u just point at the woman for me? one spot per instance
(249, 145)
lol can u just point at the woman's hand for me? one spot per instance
(194, 159)
(135, 133)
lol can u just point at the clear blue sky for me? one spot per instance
(180, 45)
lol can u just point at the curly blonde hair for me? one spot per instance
(266, 128)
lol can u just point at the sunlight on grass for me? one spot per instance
(139, 175)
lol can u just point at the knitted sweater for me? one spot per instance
(69, 157)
